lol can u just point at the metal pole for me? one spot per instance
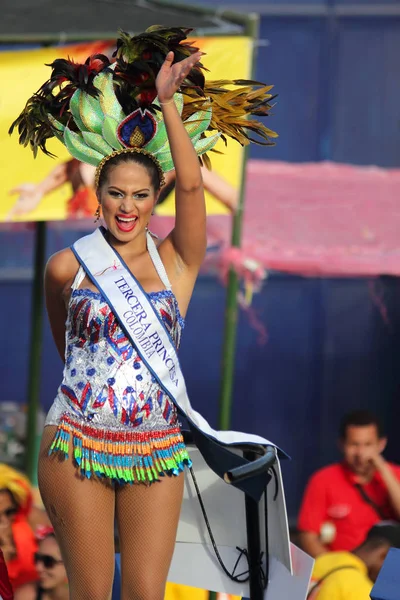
(254, 544)
(35, 350)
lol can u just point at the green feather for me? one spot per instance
(207, 143)
(165, 159)
(110, 133)
(79, 149)
(91, 113)
(108, 100)
(198, 122)
(195, 125)
(195, 139)
(159, 140)
(58, 128)
(178, 99)
(201, 145)
(74, 108)
(167, 164)
(96, 141)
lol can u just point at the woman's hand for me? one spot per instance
(171, 76)
(29, 197)
(7, 543)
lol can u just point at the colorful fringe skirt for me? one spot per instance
(123, 455)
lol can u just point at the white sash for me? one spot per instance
(142, 324)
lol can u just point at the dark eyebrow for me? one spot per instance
(123, 192)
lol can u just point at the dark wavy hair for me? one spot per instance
(360, 418)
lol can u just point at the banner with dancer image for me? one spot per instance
(60, 188)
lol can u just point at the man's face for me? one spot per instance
(360, 446)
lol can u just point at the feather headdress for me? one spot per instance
(100, 107)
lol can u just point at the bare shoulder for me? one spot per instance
(61, 268)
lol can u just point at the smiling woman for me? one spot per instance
(53, 582)
(116, 410)
(128, 190)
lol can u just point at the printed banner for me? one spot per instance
(62, 188)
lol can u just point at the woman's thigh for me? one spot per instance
(147, 518)
(82, 512)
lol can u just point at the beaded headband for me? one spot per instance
(128, 151)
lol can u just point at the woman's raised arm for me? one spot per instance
(189, 234)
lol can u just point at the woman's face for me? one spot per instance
(127, 200)
(49, 565)
(7, 509)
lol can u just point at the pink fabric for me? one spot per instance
(323, 218)
(314, 219)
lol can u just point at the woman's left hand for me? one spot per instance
(171, 76)
(7, 543)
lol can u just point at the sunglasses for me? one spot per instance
(49, 562)
(8, 513)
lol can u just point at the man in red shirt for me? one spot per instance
(344, 500)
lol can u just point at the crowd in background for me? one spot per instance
(348, 521)
(349, 516)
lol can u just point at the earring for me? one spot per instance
(97, 213)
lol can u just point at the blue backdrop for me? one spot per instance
(332, 345)
(334, 64)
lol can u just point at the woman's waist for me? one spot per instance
(108, 419)
(104, 421)
(100, 364)
(114, 401)
(91, 346)
(95, 390)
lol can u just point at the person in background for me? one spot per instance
(351, 575)
(81, 204)
(344, 500)
(53, 582)
(6, 592)
(17, 540)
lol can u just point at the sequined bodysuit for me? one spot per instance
(122, 424)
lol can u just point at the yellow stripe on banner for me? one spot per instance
(40, 185)
(226, 58)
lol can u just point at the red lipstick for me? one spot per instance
(125, 223)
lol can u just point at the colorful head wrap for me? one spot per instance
(19, 487)
(100, 109)
(43, 531)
